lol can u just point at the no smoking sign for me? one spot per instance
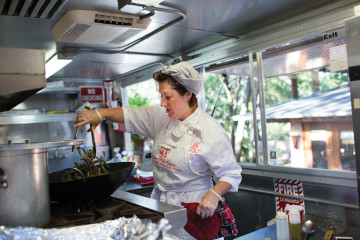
(91, 94)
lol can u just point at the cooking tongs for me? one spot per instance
(92, 134)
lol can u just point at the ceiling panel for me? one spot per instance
(206, 22)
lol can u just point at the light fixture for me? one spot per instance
(148, 2)
(122, 3)
(54, 65)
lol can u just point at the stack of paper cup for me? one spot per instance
(296, 207)
(282, 226)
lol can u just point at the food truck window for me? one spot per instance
(307, 107)
(142, 94)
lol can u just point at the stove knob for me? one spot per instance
(4, 184)
(3, 179)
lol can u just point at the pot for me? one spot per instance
(91, 188)
(24, 183)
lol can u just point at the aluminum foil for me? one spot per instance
(121, 228)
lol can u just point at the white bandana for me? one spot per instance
(184, 74)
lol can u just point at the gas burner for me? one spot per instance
(88, 212)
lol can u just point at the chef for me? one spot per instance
(191, 149)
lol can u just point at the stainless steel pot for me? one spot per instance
(24, 183)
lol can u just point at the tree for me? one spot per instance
(230, 102)
(138, 140)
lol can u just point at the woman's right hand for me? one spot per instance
(88, 117)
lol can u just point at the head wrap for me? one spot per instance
(184, 74)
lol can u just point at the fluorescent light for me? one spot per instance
(148, 2)
(54, 65)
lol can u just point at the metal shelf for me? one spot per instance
(63, 90)
(29, 119)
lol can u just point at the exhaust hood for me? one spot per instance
(22, 74)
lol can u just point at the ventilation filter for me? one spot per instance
(91, 27)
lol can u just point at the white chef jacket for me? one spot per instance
(186, 155)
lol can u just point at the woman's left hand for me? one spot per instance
(207, 205)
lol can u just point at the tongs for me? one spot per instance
(92, 134)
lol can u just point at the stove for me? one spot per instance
(88, 212)
(119, 204)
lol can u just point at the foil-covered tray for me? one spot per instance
(121, 228)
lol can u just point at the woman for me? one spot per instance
(191, 149)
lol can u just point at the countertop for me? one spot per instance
(266, 233)
(269, 233)
(137, 188)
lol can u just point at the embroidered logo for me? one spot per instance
(163, 153)
(161, 160)
(195, 148)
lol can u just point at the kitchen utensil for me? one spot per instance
(24, 189)
(308, 228)
(75, 137)
(91, 188)
(92, 133)
(331, 224)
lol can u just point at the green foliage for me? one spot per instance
(277, 90)
(212, 86)
(329, 80)
(304, 84)
(138, 101)
(278, 131)
(247, 147)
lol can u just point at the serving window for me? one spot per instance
(306, 106)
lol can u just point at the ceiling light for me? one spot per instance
(54, 65)
(148, 2)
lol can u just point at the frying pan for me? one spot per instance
(92, 188)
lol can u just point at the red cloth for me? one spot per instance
(201, 229)
(228, 225)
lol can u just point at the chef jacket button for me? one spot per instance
(190, 130)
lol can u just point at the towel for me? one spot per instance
(201, 229)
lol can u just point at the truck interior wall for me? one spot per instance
(50, 116)
(254, 208)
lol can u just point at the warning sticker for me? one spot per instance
(288, 187)
(91, 94)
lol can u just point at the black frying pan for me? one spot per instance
(94, 187)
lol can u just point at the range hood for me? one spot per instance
(22, 74)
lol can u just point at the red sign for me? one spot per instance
(91, 94)
(108, 93)
(288, 187)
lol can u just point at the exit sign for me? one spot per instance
(91, 94)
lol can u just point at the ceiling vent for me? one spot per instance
(91, 27)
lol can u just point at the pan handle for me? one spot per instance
(68, 171)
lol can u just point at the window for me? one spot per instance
(142, 94)
(307, 109)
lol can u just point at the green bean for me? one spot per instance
(91, 165)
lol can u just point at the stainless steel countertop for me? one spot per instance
(269, 232)
(176, 215)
